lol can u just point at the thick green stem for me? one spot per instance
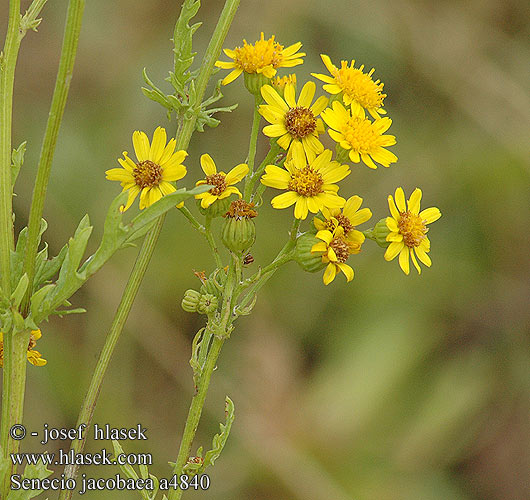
(220, 332)
(146, 252)
(60, 94)
(12, 351)
(15, 348)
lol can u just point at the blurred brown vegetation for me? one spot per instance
(389, 388)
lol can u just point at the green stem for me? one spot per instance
(60, 94)
(193, 221)
(12, 367)
(146, 252)
(211, 241)
(129, 294)
(7, 80)
(252, 147)
(15, 348)
(197, 403)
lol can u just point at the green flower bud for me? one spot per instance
(216, 209)
(238, 235)
(380, 232)
(254, 82)
(207, 304)
(190, 300)
(239, 232)
(310, 262)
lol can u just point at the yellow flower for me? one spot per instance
(224, 183)
(263, 57)
(335, 248)
(358, 89)
(34, 357)
(158, 165)
(294, 122)
(408, 230)
(350, 216)
(311, 186)
(280, 82)
(363, 139)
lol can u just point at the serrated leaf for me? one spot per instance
(219, 440)
(50, 268)
(38, 471)
(126, 469)
(20, 290)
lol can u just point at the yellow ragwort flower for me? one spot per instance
(224, 183)
(408, 230)
(310, 186)
(348, 218)
(34, 357)
(280, 82)
(335, 248)
(295, 123)
(158, 165)
(358, 89)
(363, 139)
(263, 57)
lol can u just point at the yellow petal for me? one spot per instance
(273, 98)
(414, 201)
(404, 261)
(158, 145)
(141, 145)
(430, 214)
(289, 95)
(300, 209)
(284, 200)
(393, 250)
(400, 200)
(236, 174)
(133, 193)
(208, 165)
(347, 270)
(329, 273)
(306, 95)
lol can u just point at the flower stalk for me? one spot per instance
(146, 252)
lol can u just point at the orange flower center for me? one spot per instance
(340, 220)
(217, 180)
(413, 229)
(361, 135)
(300, 122)
(240, 209)
(341, 248)
(147, 174)
(306, 182)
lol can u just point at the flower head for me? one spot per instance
(262, 57)
(280, 82)
(157, 165)
(34, 357)
(348, 218)
(223, 183)
(358, 89)
(363, 139)
(310, 186)
(335, 248)
(294, 122)
(408, 230)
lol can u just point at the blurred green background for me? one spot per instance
(388, 388)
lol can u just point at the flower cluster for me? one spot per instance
(306, 170)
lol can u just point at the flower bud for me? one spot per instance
(216, 209)
(279, 83)
(190, 300)
(310, 262)
(239, 232)
(380, 232)
(207, 304)
(254, 82)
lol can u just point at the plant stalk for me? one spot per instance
(62, 86)
(146, 252)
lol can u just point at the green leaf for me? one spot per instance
(38, 471)
(17, 160)
(20, 290)
(219, 440)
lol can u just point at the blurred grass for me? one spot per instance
(388, 388)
